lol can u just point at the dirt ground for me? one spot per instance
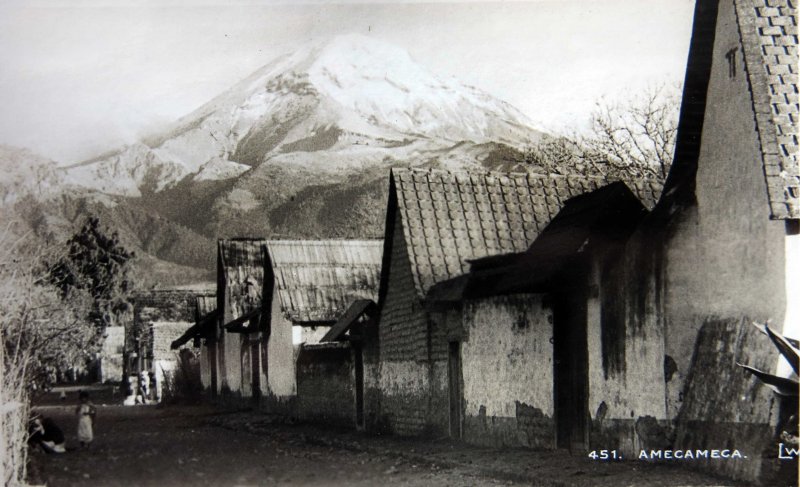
(200, 445)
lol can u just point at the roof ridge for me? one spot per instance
(242, 239)
(299, 242)
(464, 172)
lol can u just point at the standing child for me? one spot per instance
(86, 412)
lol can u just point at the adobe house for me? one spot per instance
(542, 338)
(312, 284)
(203, 334)
(241, 352)
(724, 241)
(272, 297)
(436, 222)
(206, 318)
(159, 318)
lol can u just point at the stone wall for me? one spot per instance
(166, 305)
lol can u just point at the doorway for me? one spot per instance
(454, 381)
(255, 362)
(358, 365)
(211, 346)
(570, 365)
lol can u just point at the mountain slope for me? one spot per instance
(299, 149)
(353, 101)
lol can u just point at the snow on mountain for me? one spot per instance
(353, 100)
(217, 168)
(380, 83)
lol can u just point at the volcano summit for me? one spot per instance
(351, 103)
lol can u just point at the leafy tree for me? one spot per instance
(56, 301)
(100, 266)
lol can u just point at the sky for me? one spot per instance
(81, 77)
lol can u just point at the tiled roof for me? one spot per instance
(769, 38)
(450, 218)
(316, 280)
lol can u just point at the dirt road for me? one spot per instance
(192, 446)
(148, 446)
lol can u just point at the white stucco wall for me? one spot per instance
(280, 355)
(308, 334)
(639, 390)
(231, 363)
(727, 259)
(205, 367)
(504, 363)
(791, 323)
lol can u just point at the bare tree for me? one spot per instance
(639, 133)
(630, 139)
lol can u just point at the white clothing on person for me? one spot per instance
(85, 430)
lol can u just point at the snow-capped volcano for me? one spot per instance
(354, 101)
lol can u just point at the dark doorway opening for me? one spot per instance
(454, 380)
(570, 365)
(255, 354)
(212, 362)
(358, 365)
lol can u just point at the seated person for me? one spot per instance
(45, 432)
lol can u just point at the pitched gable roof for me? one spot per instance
(240, 277)
(768, 33)
(450, 218)
(316, 280)
(588, 223)
(768, 29)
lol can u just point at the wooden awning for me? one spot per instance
(198, 330)
(357, 309)
(243, 324)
